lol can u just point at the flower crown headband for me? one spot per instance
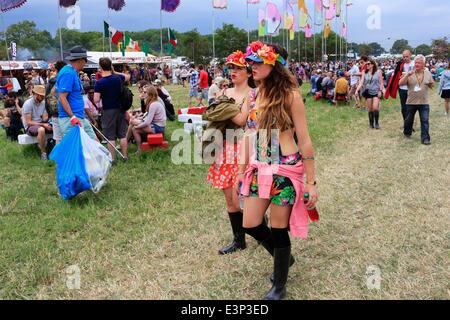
(262, 53)
(237, 58)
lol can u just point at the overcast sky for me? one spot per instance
(418, 21)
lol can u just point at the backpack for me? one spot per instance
(51, 105)
(126, 98)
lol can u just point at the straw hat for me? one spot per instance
(39, 90)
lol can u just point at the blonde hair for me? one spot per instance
(152, 96)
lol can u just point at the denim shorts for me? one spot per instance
(157, 129)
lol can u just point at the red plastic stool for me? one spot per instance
(155, 139)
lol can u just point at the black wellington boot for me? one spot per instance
(268, 245)
(282, 259)
(376, 115)
(371, 120)
(238, 232)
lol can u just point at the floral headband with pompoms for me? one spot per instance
(262, 53)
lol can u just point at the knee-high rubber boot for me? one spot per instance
(371, 119)
(282, 258)
(376, 115)
(238, 232)
(268, 245)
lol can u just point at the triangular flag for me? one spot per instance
(169, 5)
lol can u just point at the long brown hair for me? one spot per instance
(276, 94)
(152, 96)
(375, 66)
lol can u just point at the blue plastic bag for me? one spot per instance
(71, 175)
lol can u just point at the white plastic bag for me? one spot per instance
(98, 161)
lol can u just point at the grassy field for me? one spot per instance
(154, 230)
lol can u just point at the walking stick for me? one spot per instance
(101, 134)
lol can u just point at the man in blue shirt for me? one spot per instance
(69, 91)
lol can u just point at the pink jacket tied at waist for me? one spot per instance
(298, 222)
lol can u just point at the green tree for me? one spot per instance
(365, 50)
(377, 49)
(441, 48)
(229, 38)
(423, 49)
(399, 46)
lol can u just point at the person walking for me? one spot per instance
(272, 171)
(372, 86)
(444, 88)
(69, 92)
(222, 174)
(419, 81)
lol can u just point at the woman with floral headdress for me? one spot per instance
(223, 172)
(274, 169)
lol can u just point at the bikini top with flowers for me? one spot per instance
(252, 119)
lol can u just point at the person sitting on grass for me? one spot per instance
(341, 89)
(35, 119)
(13, 116)
(153, 121)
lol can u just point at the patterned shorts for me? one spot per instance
(283, 192)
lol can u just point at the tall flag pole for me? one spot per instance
(161, 32)
(60, 32)
(168, 6)
(248, 25)
(216, 4)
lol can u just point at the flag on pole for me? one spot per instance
(262, 23)
(302, 14)
(173, 42)
(344, 30)
(110, 32)
(169, 5)
(273, 18)
(67, 3)
(338, 8)
(318, 5)
(220, 4)
(116, 5)
(330, 12)
(327, 30)
(308, 33)
(252, 1)
(146, 48)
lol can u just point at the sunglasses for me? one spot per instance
(233, 67)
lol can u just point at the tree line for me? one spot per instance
(40, 44)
